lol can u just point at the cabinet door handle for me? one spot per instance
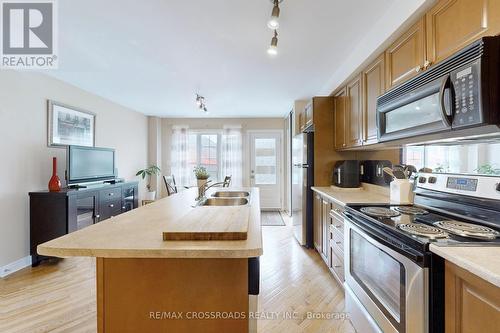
(111, 206)
(111, 194)
(427, 64)
(338, 243)
(337, 266)
(338, 226)
(123, 207)
(418, 69)
(98, 216)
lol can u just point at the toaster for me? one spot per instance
(346, 174)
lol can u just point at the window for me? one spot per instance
(204, 150)
(479, 158)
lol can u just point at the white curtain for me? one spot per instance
(179, 156)
(232, 155)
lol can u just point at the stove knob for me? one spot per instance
(422, 180)
(432, 180)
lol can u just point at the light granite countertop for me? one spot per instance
(139, 233)
(481, 261)
(367, 193)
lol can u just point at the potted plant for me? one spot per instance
(152, 170)
(201, 174)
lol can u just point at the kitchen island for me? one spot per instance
(146, 284)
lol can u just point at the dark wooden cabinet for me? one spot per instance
(54, 214)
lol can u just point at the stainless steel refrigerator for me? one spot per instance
(302, 180)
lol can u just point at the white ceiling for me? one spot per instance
(154, 55)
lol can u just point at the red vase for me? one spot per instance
(54, 182)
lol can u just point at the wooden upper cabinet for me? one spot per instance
(453, 24)
(354, 112)
(340, 99)
(298, 112)
(405, 58)
(373, 86)
(308, 115)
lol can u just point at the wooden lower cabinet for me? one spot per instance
(325, 211)
(329, 234)
(317, 223)
(172, 294)
(471, 303)
(337, 243)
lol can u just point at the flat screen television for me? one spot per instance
(89, 164)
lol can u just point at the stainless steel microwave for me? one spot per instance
(458, 94)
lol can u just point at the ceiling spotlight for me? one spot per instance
(273, 22)
(273, 48)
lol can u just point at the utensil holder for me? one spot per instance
(401, 192)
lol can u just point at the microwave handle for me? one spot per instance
(445, 113)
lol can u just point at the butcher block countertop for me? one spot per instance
(139, 233)
(367, 193)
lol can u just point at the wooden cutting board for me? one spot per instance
(210, 223)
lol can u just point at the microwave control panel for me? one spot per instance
(466, 106)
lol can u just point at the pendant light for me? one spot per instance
(273, 48)
(273, 22)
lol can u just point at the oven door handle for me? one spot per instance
(445, 113)
(389, 242)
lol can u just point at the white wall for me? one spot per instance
(26, 160)
(217, 123)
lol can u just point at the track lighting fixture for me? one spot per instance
(273, 48)
(273, 22)
(200, 102)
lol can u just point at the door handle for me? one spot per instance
(445, 113)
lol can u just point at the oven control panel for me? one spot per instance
(476, 186)
(466, 106)
(463, 184)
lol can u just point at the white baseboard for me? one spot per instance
(15, 266)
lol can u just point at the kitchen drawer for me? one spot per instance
(336, 212)
(338, 248)
(337, 226)
(338, 241)
(110, 194)
(110, 209)
(337, 265)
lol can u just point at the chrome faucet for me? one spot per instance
(203, 189)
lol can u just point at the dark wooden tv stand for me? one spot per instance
(54, 214)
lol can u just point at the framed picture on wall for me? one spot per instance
(68, 125)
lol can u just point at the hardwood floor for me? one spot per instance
(60, 296)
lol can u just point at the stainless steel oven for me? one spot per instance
(386, 290)
(458, 94)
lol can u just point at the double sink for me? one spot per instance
(227, 198)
